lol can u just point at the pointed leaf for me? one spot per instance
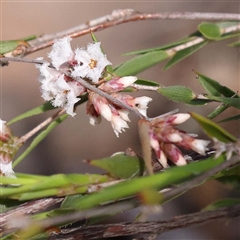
(234, 102)
(120, 165)
(183, 54)
(217, 111)
(40, 109)
(212, 129)
(178, 93)
(210, 30)
(164, 47)
(10, 45)
(159, 181)
(236, 117)
(86, 179)
(145, 82)
(214, 88)
(234, 44)
(141, 63)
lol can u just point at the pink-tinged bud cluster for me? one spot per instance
(98, 106)
(165, 139)
(64, 91)
(8, 148)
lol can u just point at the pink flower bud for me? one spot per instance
(180, 118)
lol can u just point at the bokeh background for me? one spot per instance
(75, 140)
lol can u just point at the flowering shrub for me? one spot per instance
(86, 75)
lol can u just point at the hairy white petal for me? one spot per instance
(91, 62)
(118, 124)
(61, 52)
(141, 104)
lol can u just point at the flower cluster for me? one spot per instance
(165, 139)
(8, 147)
(98, 106)
(63, 90)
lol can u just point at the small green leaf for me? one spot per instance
(174, 175)
(210, 30)
(234, 102)
(234, 44)
(141, 63)
(145, 82)
(10, 45)
(236, 117)
(120, 165)
(228, 202)
(39, 138)
(40, 109)
(214, 88)
(213, 129)
(164, 47)
(183, 54)
(69, 200)
(178, 93)
(217, 111)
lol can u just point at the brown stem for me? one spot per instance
(24, 138)
(132, 228)
(29, 208)
(124, 16)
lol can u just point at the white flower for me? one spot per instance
(118, 124)
(91, 62)
(60, 90)
(61, 52)
(140, 103)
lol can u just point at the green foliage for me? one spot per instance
(141, 63)
(213, 129)
(209, 30)
(120, 165)
(180, 55)
(174, 175)
(178, 93)
(35, 111)
(8, 46)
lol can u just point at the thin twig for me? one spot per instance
(124, 16)
(132, 228)
(24, 138)
(29, 208)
